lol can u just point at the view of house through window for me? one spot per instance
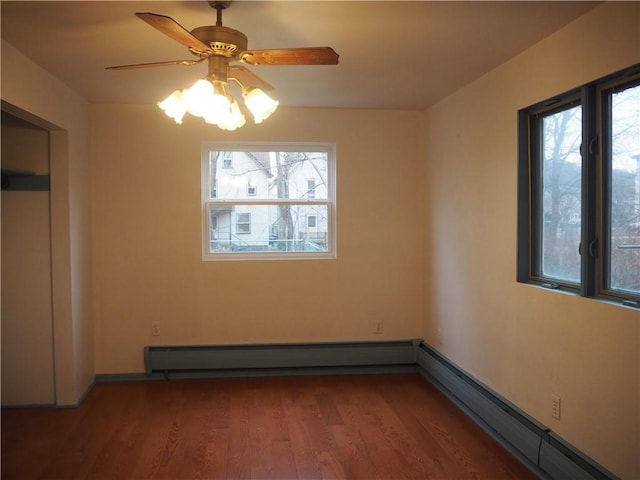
(268, 201)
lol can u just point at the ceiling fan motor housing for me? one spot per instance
(222, 40)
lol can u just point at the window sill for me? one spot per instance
(599, 298)
(245, 256)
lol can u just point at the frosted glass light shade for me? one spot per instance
(259, 103)
(234, 120)
(174, 106)
(197, 98)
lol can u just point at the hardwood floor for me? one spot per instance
(351, 427)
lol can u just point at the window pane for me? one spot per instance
(561, 195)
(268, 228)
(271, 175)
(624, 254)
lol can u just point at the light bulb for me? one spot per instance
(174, 106)
(234, 120)
(198, 97)
(259, 103)
(217, 109)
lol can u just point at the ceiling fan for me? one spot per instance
(220, 45)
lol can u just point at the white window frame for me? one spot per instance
(329, 202)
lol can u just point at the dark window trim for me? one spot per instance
(589, 236)
(630, 80)
(596, 181)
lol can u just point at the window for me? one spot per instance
(243, 223)
(311, 221)
(263, 206)
(227, 160)
(579, 190)
(252, 189)
(311, 188)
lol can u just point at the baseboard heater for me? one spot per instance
(224, 360)
(533, 443)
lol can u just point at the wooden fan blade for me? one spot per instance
(156, 64)
(173, 29)
(291, 56)
(247, 78)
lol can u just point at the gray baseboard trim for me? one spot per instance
(81, 399)
(535, 445)
(261, 372)
(11, 406)
(125, 377)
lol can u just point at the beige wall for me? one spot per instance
(525, 342)
(30, 91)
(147, 237)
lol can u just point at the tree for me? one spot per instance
(561, 200)
(284, 223)
(561, 177)
(624, 208)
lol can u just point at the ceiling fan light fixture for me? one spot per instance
(209, 99)
(259, 103)
(220, 45)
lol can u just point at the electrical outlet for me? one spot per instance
(555, 406)
(155, 329)
(378, 328)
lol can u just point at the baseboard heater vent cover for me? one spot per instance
(209, 358)
(532, 442)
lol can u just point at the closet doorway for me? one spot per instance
(27, 312)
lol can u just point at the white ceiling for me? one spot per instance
(393, 54)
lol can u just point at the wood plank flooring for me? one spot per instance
(319, 427)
